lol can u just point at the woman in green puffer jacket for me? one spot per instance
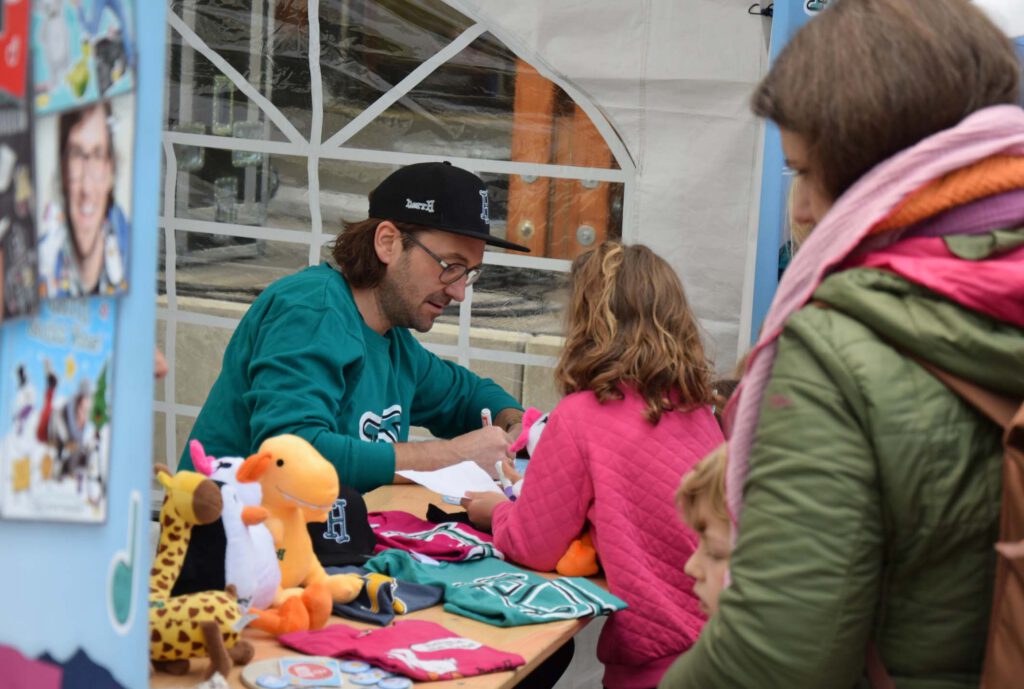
(865, 493)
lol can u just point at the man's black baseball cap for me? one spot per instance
(439, 196)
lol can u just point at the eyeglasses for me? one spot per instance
(450, 272)
(79, 160)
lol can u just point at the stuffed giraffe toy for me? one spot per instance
(197, 624)
(299, 486)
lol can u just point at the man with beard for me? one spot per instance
(326, 353)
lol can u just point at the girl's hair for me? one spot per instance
(704, 483)
(798, 231)
(868, 78)
(722, 390)
(629, 323)
(354, 253)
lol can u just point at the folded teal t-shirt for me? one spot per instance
(495, 592)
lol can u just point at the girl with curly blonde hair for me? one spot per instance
(636, 416)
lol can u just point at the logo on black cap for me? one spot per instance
(427, 206)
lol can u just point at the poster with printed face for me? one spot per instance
(55, 412)
(18, 263)
(83, 51)
(84, 172)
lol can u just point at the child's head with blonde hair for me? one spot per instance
(629, 323)
(798, 213)
(701, 500)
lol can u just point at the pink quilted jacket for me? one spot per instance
(604, 466)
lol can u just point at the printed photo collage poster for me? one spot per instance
(78, 92)
(18, 263)
(56, 442)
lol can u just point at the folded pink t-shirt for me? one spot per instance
(420, 650)
(449, 542)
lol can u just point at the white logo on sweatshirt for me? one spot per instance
(383, 428)
(427, 206)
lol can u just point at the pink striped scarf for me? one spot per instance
(994, 130)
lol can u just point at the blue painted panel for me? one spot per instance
(789, 15)
(57, 577)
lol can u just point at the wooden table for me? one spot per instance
(534, 642)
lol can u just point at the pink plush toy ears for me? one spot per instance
(200, 460)
(530, 416)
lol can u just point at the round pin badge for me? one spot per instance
(354, 667)
(364, 679)
(395, 683)
(272, 682)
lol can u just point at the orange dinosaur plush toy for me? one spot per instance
(299, 486)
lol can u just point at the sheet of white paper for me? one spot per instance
(454, 480)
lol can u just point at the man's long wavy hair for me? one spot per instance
(354, 252)
(629, 325)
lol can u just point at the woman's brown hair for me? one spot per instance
(869, 78)
(354, 253)
(629, 323)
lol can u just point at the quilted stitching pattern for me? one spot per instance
(606, 467)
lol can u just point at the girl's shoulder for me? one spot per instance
(574, 409)
(586, 402)
(581, 402)
(585, 406)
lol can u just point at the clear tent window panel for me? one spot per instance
(344, 187)
(216, 274)
(281, 117)
(264, 43)
(484, 102)
(366, 48)
(242, 187)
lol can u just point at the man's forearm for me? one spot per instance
(508, 418)
(485, 446)
(426, 456)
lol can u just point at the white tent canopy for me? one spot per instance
(674, 79)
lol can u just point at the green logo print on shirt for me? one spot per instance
(550, 600)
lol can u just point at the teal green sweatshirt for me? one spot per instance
(303, 361)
